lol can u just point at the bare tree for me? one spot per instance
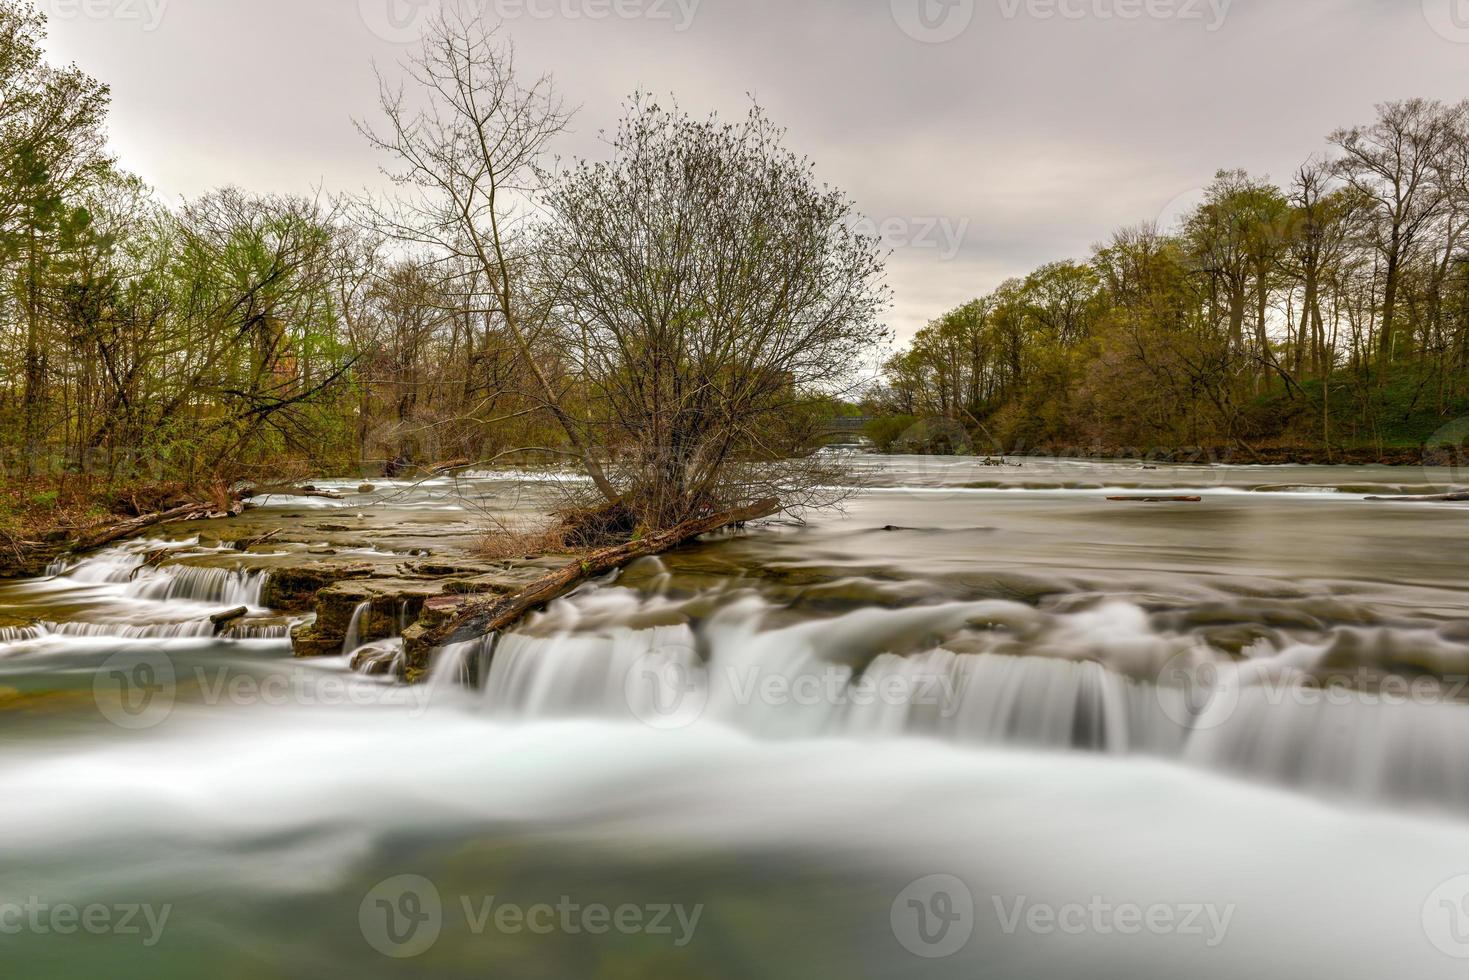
(467, 175)
(1393, 162)
(711, 290)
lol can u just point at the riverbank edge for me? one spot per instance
(348, 603)
(1246, 456)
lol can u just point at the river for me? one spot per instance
(984, 722)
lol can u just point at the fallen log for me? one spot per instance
(126, 529)
(245, 544)
(493, 615)
(1156, 500)
(224, 619)
(1458, 497)
(287, 491)
(440, 469)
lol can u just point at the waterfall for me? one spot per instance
(21, 634)
(193, 628)
(1363, 746)
(656, 675)
(853, 676)
(127, 566)
(360, 618)
(214, 586)
(255, 631)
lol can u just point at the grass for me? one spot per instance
(1404, 413)
(55, 510)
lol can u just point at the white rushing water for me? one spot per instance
(1249, 712)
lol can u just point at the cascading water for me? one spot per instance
(835, 677)
(162, 631)
(128, 567)
(353, 637)
(257, 631)
(1036, 693)
(215, 586)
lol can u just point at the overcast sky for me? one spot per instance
(986, 136)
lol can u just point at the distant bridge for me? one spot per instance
(847, 430)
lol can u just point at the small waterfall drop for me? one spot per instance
(161, 631)
(881, 673)
(361, 617)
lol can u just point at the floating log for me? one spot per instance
(481, 617)
(1156, 500)
(288, 491)
(224, 619)
(1458, 497)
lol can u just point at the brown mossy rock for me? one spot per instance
(308, 642)
(294, 588)
(418, 652)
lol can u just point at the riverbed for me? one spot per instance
(983, 722)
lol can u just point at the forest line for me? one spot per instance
(674, 321)
(1331, 313)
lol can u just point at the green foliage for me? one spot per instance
(1331, 313)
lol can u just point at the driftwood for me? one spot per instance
(1156, 500)
(126, 529)
(485, 616)
(245, 544)
(224, 619)
(288, 491)
(1458, 497)
(440, 469)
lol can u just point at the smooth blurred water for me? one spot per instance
(984, 723)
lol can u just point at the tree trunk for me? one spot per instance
(486, 616)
